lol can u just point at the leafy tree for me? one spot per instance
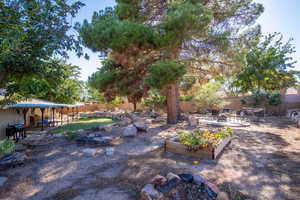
(62, 88)
(31, 33)
(210, 95)
(150, 41)
(268, 66)
(118, 82)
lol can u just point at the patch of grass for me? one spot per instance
(84, 124)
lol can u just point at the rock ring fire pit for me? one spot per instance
(181, 187)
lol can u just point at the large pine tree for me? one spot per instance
(154, 43)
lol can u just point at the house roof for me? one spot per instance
(39, 103)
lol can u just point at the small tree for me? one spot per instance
(268, 66)
(210, 96)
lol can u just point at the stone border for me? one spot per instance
(150, 191)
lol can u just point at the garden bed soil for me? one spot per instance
(204, 153)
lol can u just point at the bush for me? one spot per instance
(7, 147)
(210, 96)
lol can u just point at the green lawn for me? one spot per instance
(84, 124)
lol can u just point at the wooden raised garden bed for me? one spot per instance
(209, 152)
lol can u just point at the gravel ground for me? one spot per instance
(262, 162)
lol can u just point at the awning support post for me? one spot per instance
(43, 111)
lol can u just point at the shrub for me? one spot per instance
(210, 96)
(7, 146)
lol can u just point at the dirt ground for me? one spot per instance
(262, 162)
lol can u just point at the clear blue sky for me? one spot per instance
(279, 16)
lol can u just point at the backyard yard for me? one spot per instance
(262, 162)
(149, 100)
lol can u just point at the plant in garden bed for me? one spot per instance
(203, 138)
(6, 147)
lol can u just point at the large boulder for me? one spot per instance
(130, 131)
(141, 126)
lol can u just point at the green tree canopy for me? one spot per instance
(269, 66)
(32, 32)
(62, 86)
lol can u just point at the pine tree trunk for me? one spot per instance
(134, 106)
(172, 103)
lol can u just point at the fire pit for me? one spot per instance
(181, 187)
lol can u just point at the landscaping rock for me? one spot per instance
(2, 180)
(89, 151)
(130, 131)
(192, 121)
(158, 180)
(141, 126)
(150, 193)
(103, 140)
(107, 128)
(171, 176)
